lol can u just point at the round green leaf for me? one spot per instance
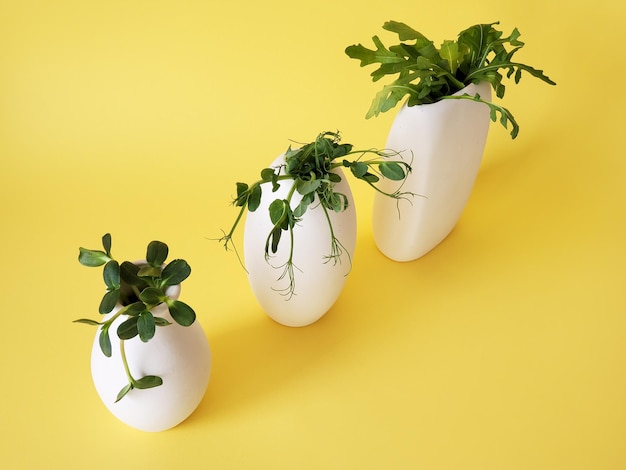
(156, 253)
(392, 170)
(92, 258)
(175, 272)
(128, 329)
(254, 199)
(146, 326)
(152, 296)
(182, 313)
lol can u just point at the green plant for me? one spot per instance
(137, 288)
(311, 169)
(427, 74)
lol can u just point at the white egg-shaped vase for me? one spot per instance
(444, 143)
(179, 355)
(318, 280)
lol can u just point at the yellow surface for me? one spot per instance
(501, 349)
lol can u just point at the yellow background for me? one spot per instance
(501, 349)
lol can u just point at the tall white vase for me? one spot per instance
(179, 355)
(318, 281)
(444, 142)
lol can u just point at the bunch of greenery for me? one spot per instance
(138, 288)
(427, 74)
(311, 169)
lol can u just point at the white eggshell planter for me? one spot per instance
(318, 282)
(179, 355)
(444, 143)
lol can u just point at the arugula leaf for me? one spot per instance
(425, 74)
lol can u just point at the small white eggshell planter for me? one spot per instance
(179, 355)
(444, 143)
(318, 280)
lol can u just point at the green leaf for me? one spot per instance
(392, 171)
(129, 274)
(182, 313)
(128, 328)
(122, 393)
(161, 321)
(106, 243)
(111, 274)
(105, 341)
(149, 381)
(135, 309)
(109, 301)
(359, 169)
(267, 174)
(146, 326)
(305, 202)
(157, 253)
(242, 194)
(278, 210)
(305, 187)
(87, 321)
(152, 296)
(92, 258)
(451, 53)
(149, 271)
(254, 200)
(175, 272)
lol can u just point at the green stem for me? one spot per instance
(125, 362)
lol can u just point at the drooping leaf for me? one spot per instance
(92, 258)
(111, 275)
(156, 253)
(254, 200)
(146, 326)
(87, 321)
(267, 174)
(278, 210)
(149, 381)
(242, 194)
(122, 393)
(305, 202)
(109, 300)
(128, 328)
(104, 341)
(182, 313)
(175, 272)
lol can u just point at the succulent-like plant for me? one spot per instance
(136, 288)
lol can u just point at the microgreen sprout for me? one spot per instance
(136, 288)
(312, 169)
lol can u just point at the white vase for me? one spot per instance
(444, 142)
(179, 355)
(318, 281)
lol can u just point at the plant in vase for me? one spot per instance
(443, 123)
(304, 226)
(156, 331)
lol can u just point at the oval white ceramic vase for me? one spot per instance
(318, 281)
(179, 355)
(444, 142)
